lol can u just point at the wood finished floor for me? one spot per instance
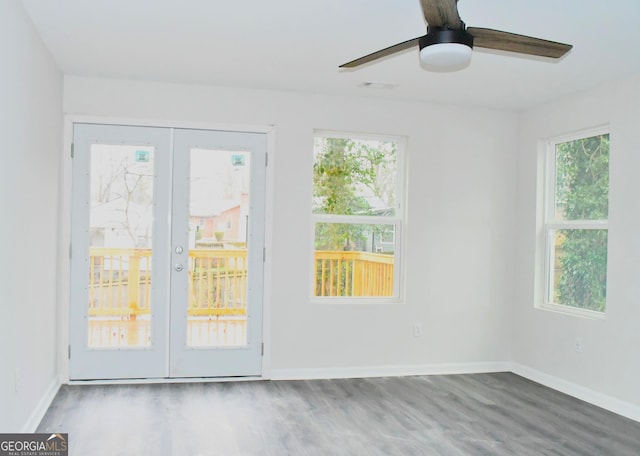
(479, 414)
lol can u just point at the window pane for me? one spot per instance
(354, 260)
(582, 179)
(352, 176)
(579, 260)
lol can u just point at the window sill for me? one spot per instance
(573, 311)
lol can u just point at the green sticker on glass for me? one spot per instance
(237, 160)
(142, 156)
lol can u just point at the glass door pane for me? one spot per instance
(120, 239)
(218, 214)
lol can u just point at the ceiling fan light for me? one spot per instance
(445, 55)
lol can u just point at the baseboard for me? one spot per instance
(151, 381)
(387, 371)
(43, 405)
(609, 403)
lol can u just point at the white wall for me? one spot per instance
(459, 229)
(30, 141)
(542, 340)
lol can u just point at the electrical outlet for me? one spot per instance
(18, 379)
(417, 330)
(578, 345)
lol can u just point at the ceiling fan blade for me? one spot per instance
(505, 41)
(382, 53)
(440, 13)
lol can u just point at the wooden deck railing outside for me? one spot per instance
(111, 271)
(352, 273)
(120, 280)
(217, 282)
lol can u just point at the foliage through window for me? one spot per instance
(357, 216)
(576, 227)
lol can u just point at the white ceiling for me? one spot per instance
(298, 45)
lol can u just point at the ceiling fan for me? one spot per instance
(448, 42)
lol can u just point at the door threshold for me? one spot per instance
(168, 380)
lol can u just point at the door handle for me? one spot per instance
(178, 267)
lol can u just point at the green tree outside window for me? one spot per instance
(581, 194)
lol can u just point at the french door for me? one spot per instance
(167, 252)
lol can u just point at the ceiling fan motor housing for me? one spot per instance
(440, 35)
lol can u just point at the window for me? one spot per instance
(357, 214)
(576, 226)
(388, 236)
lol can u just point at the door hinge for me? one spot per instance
(264, 254)
(69, 351)
(266, 159)
(70, 251)
(262, 349)
(72, 150)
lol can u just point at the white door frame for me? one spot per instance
(64, 233)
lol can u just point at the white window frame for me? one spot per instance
(545, 282)
(397, 220)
